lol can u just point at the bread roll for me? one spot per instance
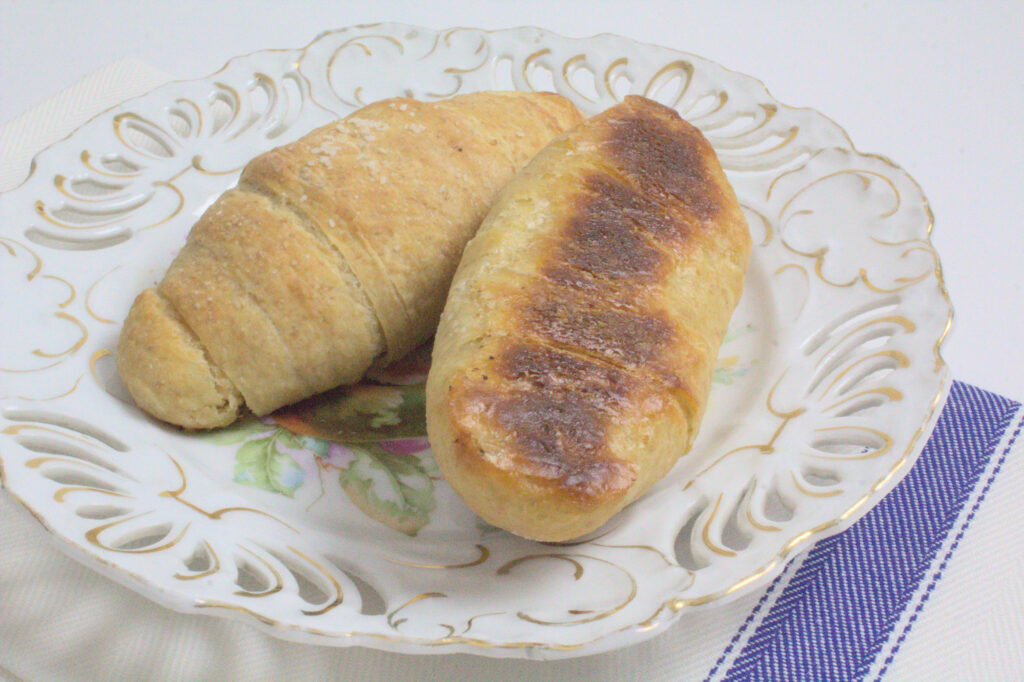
(332, 253)
(574, 356)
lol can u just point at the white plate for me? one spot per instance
(826, 388)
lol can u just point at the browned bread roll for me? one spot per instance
(332, 253)
(574, 356)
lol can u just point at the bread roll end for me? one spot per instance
(167, 372)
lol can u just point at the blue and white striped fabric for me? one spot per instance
(843, 610)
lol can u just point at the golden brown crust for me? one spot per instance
(574, 356)
(334, 251)
(166, 370)
(295, 280)
(554, 407)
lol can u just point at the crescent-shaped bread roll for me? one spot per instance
(332, 253)
(573, 361)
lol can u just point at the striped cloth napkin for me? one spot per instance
(928, 585)
(845, 609)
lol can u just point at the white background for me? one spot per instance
(936, 86)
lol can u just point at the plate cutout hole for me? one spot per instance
(820, 478)
(145, 140)
(871, 371)
(143, 537)
(776, 507)
(733, 127)
(503, 74)
(540, 77)
(861, 405)
(582, 79)
(292, 97)
(87, 187)
(71, 423)
(373, 603)
(199, 560)
(72, 244)
(670, 86)
(313, 589)
(75, 477)
(684, 543)
(179, 122)
(706, 104)
(621, 85)
(250, 579)
(115, 163)
(733, 534)
(852, 319)
(766, 144)
(100, 511)
(49, 445)
(849, 442)
(262, 96)
(877, 339)
(222, 110)
(868, 340)
(80, 217)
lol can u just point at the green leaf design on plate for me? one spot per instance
(393, 489)
(364, 413)
(315, 445)
(261, 464)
